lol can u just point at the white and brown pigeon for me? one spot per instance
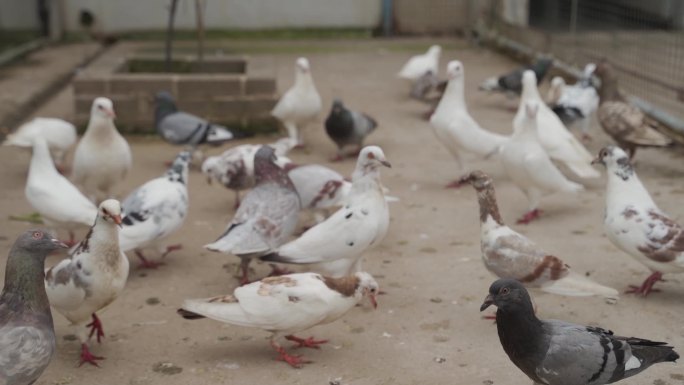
(419, 65)
(508, 254)
(348, 128)
(234, 168)
(634, 223)
(286, 305)
(623, 122)
(267, 216)
(300, 104)
(553, 352)
(27, 335)
(103, 157)
(155, 210)
(91, 278)
(337, 244)
(59, 134)
(60, 204)
(455, 128)
(528, 165)
(554, 137)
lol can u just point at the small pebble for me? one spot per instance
(436, 300)
(440, 360)
(152, 301)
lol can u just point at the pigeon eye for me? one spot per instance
(99, 107)
(505, 291)
(37, 235)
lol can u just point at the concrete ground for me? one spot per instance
(427, 328)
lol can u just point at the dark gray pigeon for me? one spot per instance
(346, 127)
(555, 352)
(267, 216)
(27, 336)
(180, 128)
(512, 81)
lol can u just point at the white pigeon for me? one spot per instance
(91, 278)
(155, 210)
(267, 216)
(337, 244)
(575, 103)
(558, 142)
(59, 134)
(59, 202)
(453, 125)
(234, 168)
(419, 65)
(286, 305)
(508, 254)
(103, 157)
(528, 165)
(634, 223)
(300, 104)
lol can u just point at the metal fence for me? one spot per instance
(644, 40)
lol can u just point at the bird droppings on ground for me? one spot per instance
(439, 360)
(167, 368)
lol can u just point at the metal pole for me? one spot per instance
(387, 19)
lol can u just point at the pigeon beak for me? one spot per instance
(117, 219)
(60, 244)
(489, 301)
(464, 179)
(386, 163)
(110, 113)
(374, 301)
(596, 160)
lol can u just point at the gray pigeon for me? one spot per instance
(346, 127)
(512, 81)
(267, 216)
(555, 352)
(180, 128)
(27, 336)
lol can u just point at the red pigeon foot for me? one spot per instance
(277, 271)
(529, 217)
(146, 263)
(294, 361)
(87, 356)
(490, 317)
(455, 184)
(171, 248)
(647, 287)
(306, 343)
(96, 326)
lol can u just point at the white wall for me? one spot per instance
(127, 15)
(18, 14)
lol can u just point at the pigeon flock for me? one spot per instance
(352, 215)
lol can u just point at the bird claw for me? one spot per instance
(146, 263)
(96, 327)
(171, 248)
(646, 288)
(306, 342)
(529, 217)
(88, 357)
(294, 361)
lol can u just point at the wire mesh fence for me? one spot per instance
(644, 40)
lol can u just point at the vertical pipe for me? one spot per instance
(199, 17)
(169, 35)
(387, 12)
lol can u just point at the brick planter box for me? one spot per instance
(218, 89)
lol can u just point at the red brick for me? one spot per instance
(260, 86)
(150, 84)
(90, 86)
